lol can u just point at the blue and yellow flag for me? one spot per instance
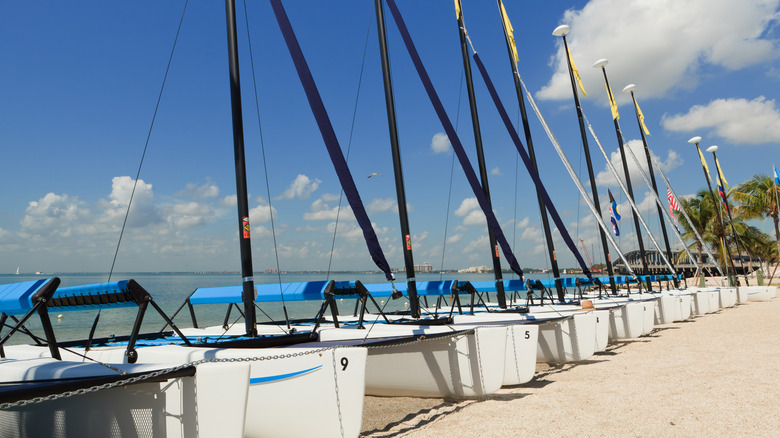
(613, 208)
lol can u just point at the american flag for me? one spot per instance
(673, 205)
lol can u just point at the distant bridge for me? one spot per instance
(656, 264)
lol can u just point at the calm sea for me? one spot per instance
(169, 291)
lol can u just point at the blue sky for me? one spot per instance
(80, 81)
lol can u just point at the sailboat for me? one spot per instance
(274, 378)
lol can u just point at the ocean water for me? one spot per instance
(169, 291)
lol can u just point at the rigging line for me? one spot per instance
(452, 173)
(628, 198)
(349, 144)
(265, 166)
(575, 178)
(148, 137)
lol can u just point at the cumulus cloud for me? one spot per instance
(471, 213)
(143, 211)
(665, 51)
(606, 177)
(740, 121)
(440, 143)
(262, 213)
(53, 212)
(301, 188)
(321, 210)
(496, 171)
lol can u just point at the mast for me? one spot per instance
(248, 293)
(602, 63)
(639, 119)
(722, 185)
(403, 215)
(715, 205)
(511, 51)
(480, 157)
(562, 31)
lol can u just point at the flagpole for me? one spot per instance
(704, 168)
(512, 51)
(737, 240)
(480, 155)
(630, 89)
(561, 31)
(602, 63)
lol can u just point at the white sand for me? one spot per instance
(715, 375)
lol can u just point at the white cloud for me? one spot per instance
(740, 121)
(378, 205)
(301, 188)
(471, 212)
(496, 171)
(189, 214)
(524, 222)
(53, 212)
(455, 238)
(262, 213)
(122, 189)
(321, 210)
(660, 45)
(205, 191)
(606, 177)
(440, 143)
(532, 234)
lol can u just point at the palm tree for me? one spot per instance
(758, 198)
(704, 219)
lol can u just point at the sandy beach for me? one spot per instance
(713, 375)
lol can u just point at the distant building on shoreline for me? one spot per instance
(475, 270)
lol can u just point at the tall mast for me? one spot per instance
(601, 63)
(562, 31)
(715, 205)
(406, 239)
(630, 89)
(530, 144)
(721, 180)
(248, 293)
(480, 156)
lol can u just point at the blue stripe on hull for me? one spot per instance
(268, 379)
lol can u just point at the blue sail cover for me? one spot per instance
(16, 298)
(457, 146)
(540, 189)
(331, 141)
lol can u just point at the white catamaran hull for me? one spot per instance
(760, 293)
(572, 339)
(213, 402)
(464, 365)
(332, 379)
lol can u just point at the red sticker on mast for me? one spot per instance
(245, 227)
(408, 243)
(497, 251)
